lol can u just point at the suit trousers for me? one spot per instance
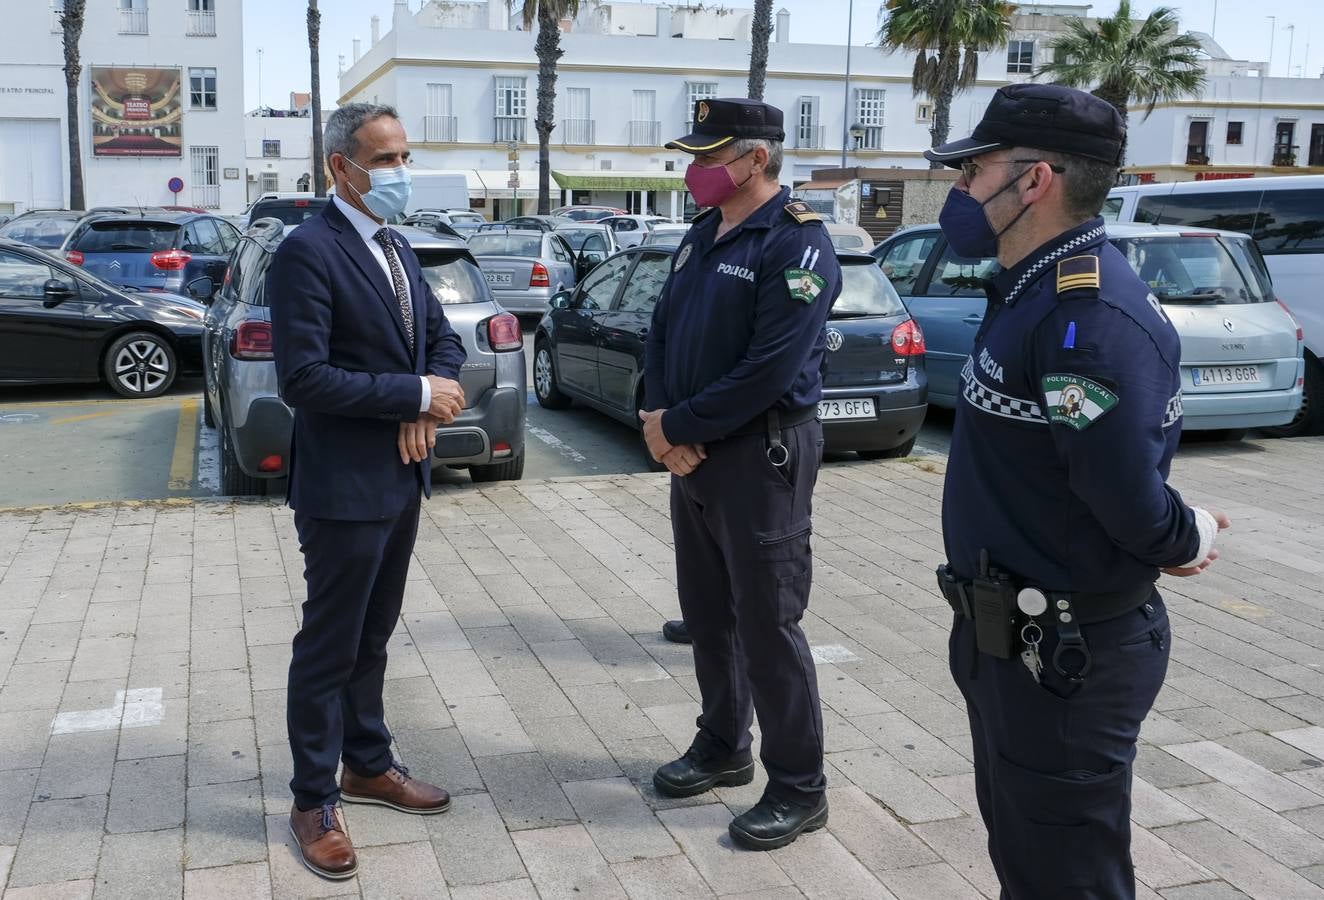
(355, 572)
(744, 568)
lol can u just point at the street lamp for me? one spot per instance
(856, 135)
(845, 100)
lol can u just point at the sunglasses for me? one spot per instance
(971, 169)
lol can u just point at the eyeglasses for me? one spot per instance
(970, 169)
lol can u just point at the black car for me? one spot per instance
(61, 324)
(290, 210)
(590, 347)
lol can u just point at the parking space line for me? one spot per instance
(556, 443)
(50, 404)
(186, 443)
(85, 416)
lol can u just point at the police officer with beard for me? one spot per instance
(1057, 515)
(732, 387)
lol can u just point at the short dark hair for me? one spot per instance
(338, 136)
(1088, 181)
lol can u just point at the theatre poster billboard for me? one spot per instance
(136, 111)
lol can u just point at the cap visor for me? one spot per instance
(698, 143)
(952, 153)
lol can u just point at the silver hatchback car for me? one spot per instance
(526, 268)
(241, 397)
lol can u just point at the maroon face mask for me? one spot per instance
(713, 185)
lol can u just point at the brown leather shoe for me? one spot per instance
(323, 842)
(395, 788)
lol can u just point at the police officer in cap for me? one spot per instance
(732, 382)
(1057, 515)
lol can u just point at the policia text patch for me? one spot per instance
(1076, 401)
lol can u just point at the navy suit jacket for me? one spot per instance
(345, 368)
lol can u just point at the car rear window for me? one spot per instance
(497, 244)
(454, 279)
(466, 219)
(865, 291)
(126, 236)
(1197, 268)
(48, 234)
(848, 242)
(291, 212)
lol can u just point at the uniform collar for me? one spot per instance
(1009, 284)
(763, 217)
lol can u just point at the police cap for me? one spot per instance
(719, 122)
(1043, 117)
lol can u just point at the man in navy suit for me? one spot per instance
(369, 364)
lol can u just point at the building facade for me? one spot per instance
(278, 146)
(161, 98)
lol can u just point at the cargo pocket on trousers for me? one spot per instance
(786, 554)
(1077, 816)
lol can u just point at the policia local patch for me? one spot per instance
(1076, 401)
(804, 284)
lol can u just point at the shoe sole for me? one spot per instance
(412, 810)
(730, 778)
(334, 876)
(751, 842)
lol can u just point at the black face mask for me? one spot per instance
(966, 225)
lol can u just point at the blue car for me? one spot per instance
(153, 251)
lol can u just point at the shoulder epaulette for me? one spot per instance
(802, 212)
(1077, 273)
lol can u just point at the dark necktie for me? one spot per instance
(383, 237)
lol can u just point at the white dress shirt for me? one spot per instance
(366, 228)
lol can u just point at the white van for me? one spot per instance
(1285, 216)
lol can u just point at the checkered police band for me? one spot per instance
(1172, 415)
(985, 399)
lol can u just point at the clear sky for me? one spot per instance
(277, 26)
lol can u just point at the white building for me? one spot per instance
(161, 98)
(278, 144)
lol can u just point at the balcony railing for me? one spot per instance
(202, 23)
(133, 21)
(1284, 156)
(1197, 155)
(576, 132)
(811, 137)
(508, 128)
(207, 196)
(440, 129)
(645, 134)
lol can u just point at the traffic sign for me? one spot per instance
(175, 185)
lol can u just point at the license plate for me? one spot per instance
(1202, 375)
(846, 409)
(497, 279)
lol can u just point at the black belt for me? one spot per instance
(784, 418)
(1090, 608)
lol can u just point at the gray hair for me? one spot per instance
(774, 167)
(338, 137)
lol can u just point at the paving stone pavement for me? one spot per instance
(143, 650)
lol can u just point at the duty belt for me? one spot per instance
(1090, 608)
(771, 424)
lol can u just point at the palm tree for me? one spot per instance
(758, 51)
(314, 57)
(946, 37)
(548, 14)
(1143, 62)
(71, 22)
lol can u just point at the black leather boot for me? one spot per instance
(774, 822)
(676, 631)
(703, 767)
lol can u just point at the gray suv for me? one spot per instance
(241, 399)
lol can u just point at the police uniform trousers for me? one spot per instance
(355, 572)
(1053, 760)
(744, 569)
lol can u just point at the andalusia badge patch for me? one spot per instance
(1076, 401)
(804, 284)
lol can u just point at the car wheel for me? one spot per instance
(544, 379)
(509, 470)
(140, 364)
(235, 482)
(894, 453)
(1310, 417)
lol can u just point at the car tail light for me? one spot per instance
(251, 340)
(300, 204)
(908, 339)
(74, 256)
(270, 463)
(1300, 335)
(503, 332)
(540, 278)
(171, 260)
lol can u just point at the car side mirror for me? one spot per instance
(201, 289)
(54, 292)
(560, 300)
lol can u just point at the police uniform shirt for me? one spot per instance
(1069, 415)
(739, 327)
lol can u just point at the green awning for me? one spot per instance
(619, 181)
